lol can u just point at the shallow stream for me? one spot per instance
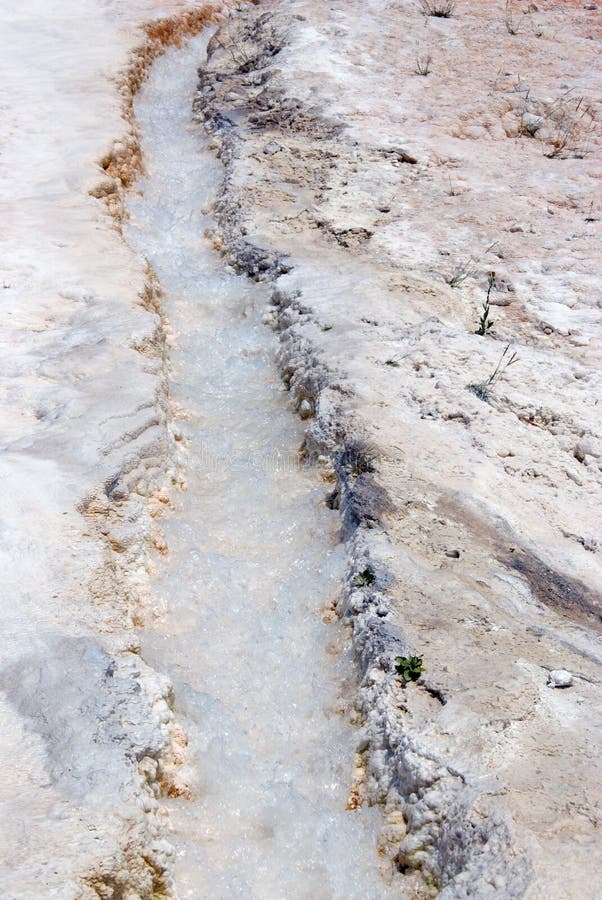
(260, 673)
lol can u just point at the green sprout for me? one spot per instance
(485, 323)
(364, 578)
(409, 667)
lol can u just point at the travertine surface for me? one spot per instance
(87, 727)
(361, 188)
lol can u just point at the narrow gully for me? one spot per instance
(260, 675)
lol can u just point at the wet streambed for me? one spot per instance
(260, 680)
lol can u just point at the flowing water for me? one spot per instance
(259, 675)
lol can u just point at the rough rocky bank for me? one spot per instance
(378, 200)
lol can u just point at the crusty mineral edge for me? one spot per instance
(123, 162)
(145, 480)
(444, 817)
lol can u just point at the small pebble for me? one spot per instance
(271, 148)
(305, 409)
(560, 678)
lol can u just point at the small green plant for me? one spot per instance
(485, 323)
(363, 579)
(482, 388)
(409, 667)
(461, 273)
(480, 391)
(442, 9)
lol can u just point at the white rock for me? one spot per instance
(560, 678)
(305, 409)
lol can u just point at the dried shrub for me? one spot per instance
(423, 64)
(441, 9)
(512, 26)
(564, 127)
(571, 122)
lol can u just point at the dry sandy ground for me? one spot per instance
(475, 514)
